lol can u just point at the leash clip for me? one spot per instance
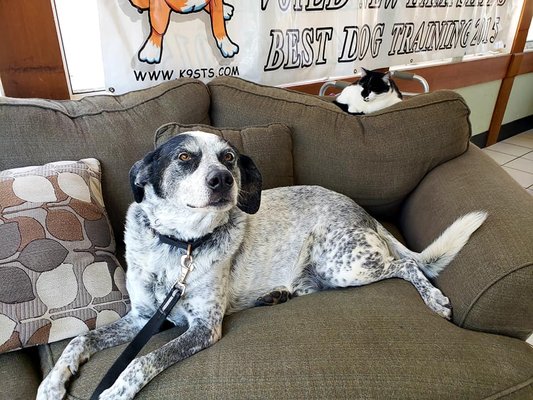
(187, 266)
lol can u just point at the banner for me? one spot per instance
(281, 42)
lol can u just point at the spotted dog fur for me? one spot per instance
(265, 248)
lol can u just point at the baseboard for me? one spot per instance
(506, 131)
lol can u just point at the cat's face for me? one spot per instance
(374, 84)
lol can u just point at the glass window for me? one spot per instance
(80, 37)
(529, 42)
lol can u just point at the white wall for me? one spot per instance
(521, 101)
(482, 98)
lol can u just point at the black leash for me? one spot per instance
(138, 342)
(154, 324)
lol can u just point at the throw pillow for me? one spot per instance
(270, 146)
(58, 273)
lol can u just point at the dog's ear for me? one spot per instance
(139, 176)
(251, 183)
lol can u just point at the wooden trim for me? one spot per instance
(458, 75)
(524, 22)
(30, 57)
(311, 88)
(446, 76)
(526, 67)
(513, 69)
(499, 110)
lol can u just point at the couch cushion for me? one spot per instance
(270, 147)
(376, 159)
(58, 273)
(20, 375)
(376, 341)
(117, 130)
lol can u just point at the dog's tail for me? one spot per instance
(443, 250)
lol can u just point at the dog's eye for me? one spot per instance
(229, 157)
(184, 156)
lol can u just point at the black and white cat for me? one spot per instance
(374, 91)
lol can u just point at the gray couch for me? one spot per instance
(411, 166)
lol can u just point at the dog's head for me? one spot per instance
(199, 171)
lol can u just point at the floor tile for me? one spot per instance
(500, 158)
(526, 134)
(511, 149)
(525, 140)
(528, 156)
(523, 178)
(521, 164)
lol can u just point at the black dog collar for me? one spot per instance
(181, 244)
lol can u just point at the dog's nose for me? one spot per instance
(219, 180)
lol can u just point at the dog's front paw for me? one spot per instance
(53, 386)
(227, 48)
(119, 390)
(150, 53)
(116, 392)
(128, 384)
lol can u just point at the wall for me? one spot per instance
(521, 101)
(482, 98)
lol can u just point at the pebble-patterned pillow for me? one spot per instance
(58, 273)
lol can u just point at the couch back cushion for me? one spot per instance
(376, 159)
(116, 130)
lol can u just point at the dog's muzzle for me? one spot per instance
(219, 181)
(220, 184)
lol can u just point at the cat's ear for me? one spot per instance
(387, 77)
(364, 72)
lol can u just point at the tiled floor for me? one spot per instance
(515, 155)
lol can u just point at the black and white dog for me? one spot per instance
(302, 239)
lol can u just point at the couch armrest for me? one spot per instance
(490, 283)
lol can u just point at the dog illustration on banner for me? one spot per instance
(159, 15)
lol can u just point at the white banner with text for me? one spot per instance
(281, 42)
